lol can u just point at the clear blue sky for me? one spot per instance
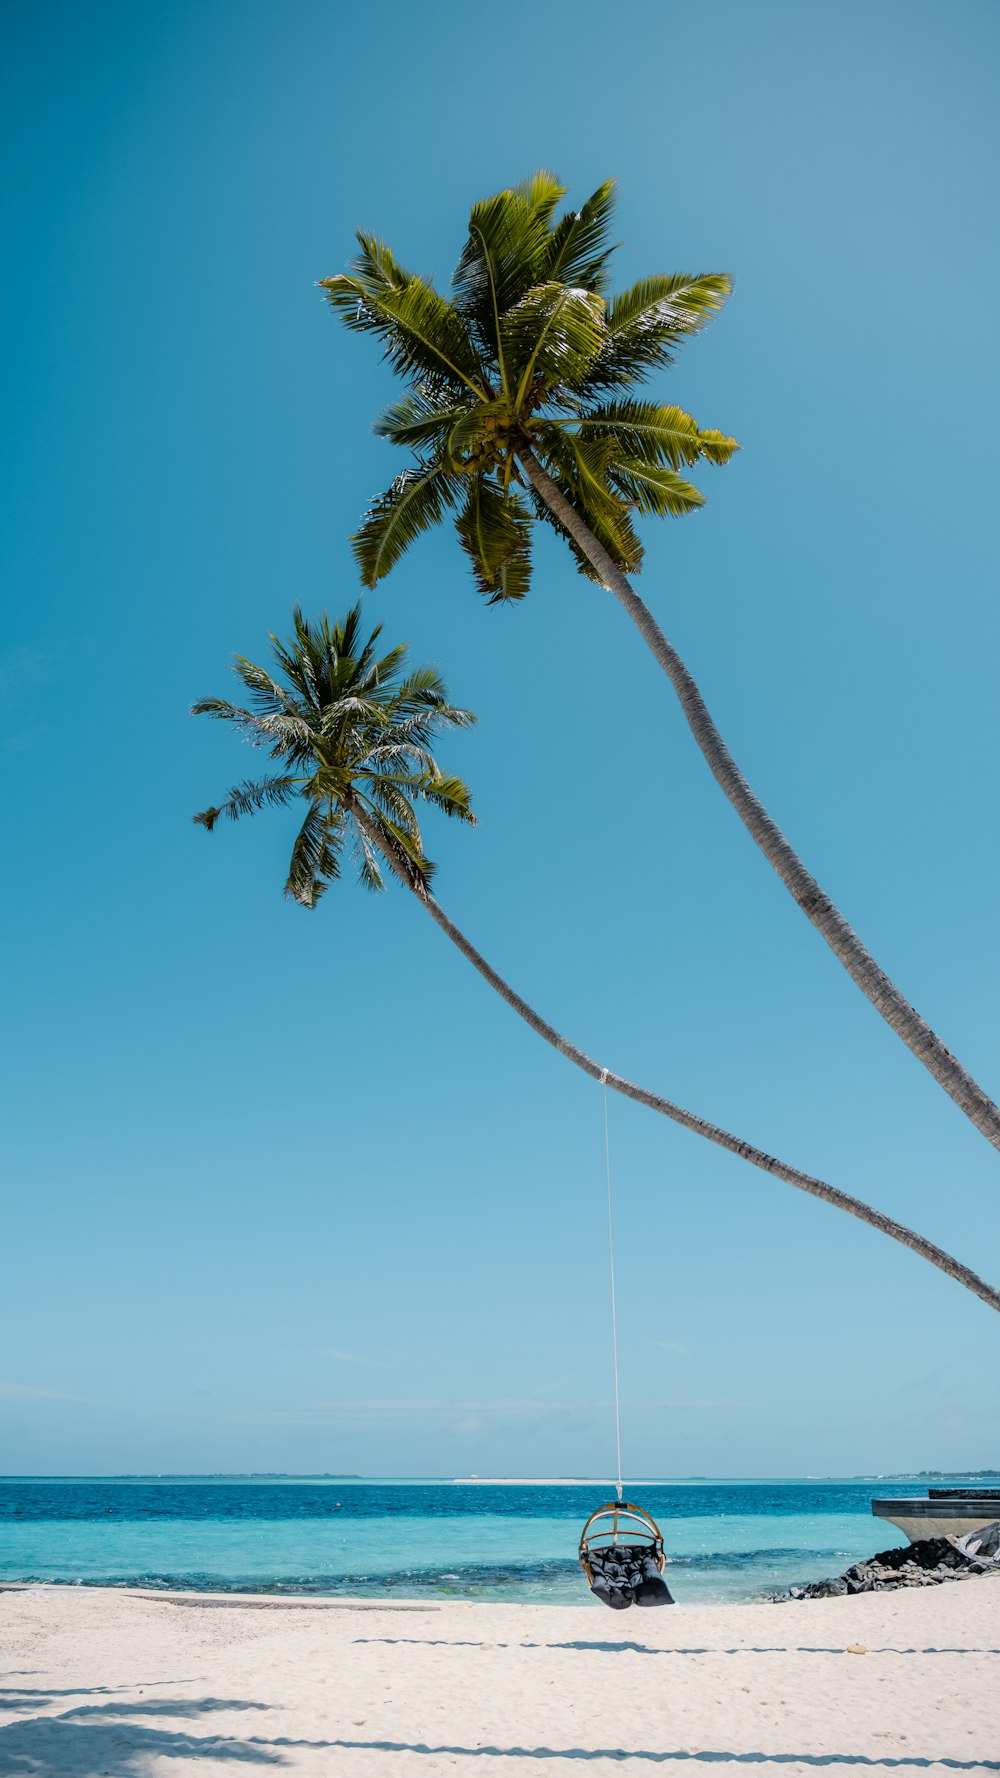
(291, 1191)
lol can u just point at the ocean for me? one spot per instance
(725, 1540)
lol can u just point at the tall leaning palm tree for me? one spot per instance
(521, 404)
(351, 734)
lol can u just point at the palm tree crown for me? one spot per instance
(528, 361)
(352, 733)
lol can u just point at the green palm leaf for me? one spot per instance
(315, 860)
(414, 502)
(423, 690)
(421, 420)
(542, 191)
(654, 489)
(424, 334)
(495, 532)
(681, 301)
(369, 870)
(450, 795)
(579, 248)
(646, 323)
(580, 466)
(508, 239)
(659, 434)
(551, 337)
(582, 473)
(250, 797)
(376, 267)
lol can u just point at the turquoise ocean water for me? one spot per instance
(726, 1540)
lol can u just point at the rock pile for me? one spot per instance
(923, 1564)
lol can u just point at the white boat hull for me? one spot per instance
(921, 1518)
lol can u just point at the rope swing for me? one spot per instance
(621, 1549)
(614, 1301)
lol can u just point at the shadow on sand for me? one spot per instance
(94, 1740)
(704, 1757)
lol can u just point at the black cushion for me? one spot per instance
(627, 1574)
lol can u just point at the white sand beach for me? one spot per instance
(110, 1684)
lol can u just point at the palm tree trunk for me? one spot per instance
(817, 1188)
(814, 902)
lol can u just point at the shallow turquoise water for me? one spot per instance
(725, 1540)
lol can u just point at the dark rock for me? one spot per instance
(928, 1563)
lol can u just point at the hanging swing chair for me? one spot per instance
(621, 1549)
(621, 1553)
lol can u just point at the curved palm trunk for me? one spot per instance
(814, 902)
(817, 1188)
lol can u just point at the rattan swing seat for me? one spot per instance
(621, 1553)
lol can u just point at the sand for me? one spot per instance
(111, 1683)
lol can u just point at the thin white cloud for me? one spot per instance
(430, 1412)
(441, 1415)
(673, 1346)
(352, 1357)
(697, 1404)
(31, 1391)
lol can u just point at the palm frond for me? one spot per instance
(646, 322)
(373, 273)
(551, 336)
(579, 465)
(679, 300)
(394, 820)
(369, 866)
(716, 447)
(268, 695)
(387, 794)
(420, 868)
(423, 333)
(495, 532)
(397, 760)
(376, 263)
(582, 473)
(451, 795)
(315, 859)
(249, 797)
(542, 191)
(416, 500)
(424, 690)
(508, 237)
(420, 420)
(654, 489)
(248, 722)
(578, 247)
(657, 434)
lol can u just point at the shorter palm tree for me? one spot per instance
(354, 735)
(351, 732)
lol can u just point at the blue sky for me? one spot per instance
(290, 1191)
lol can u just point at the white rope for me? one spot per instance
(614, 1306)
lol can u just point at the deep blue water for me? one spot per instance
(725, 1539)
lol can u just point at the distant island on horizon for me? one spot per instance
(280, 1475)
